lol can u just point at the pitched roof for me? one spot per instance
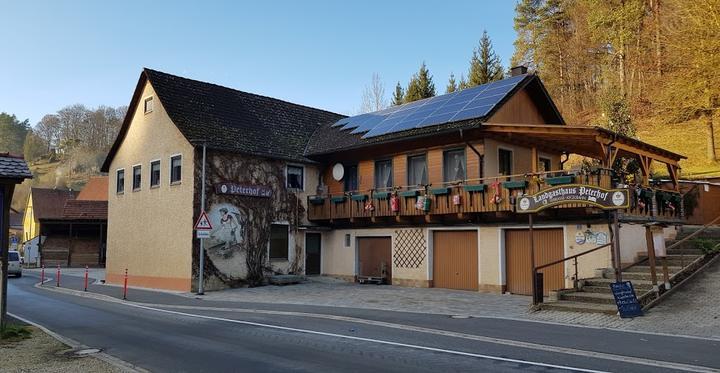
(13, 167)
(332, 138)
(49, 203)
(96, 189)
(85, 210)
(16, 219)
(229, 119)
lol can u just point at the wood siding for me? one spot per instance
(366, 175)
(455, 260)
(435, 169)
(549, 246)
(519, 109)
(473, 161)
(334, 186)
(400, 170)
(374, 254)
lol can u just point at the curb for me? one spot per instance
(112, 360)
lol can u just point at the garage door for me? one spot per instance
(548, 248)
(455, 260)
(374, 256)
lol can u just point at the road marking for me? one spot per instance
(514, 343)
(371, 340)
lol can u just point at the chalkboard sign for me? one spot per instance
(625, 299)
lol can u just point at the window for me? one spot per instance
(417, 170)
(544, 164)
(278, 241)
(505, 158)
(454, 165)
(148, 105)
(13, 256)
(347, 239)
(295, 177)
(120, 181)
(175, 169)
(137, 177)
(383, 174)
(155, 173)
(350, 179)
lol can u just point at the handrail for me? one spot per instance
(691, 235)
(572, 257)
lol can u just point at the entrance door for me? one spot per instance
(548, 248)
(375, 257)
(312, 253)
(455, 260)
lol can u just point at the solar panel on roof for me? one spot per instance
(475, 102)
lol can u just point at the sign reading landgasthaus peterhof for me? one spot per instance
(606, 199)
(243, 190)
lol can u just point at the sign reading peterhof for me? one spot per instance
(606, 199)
(243, 190)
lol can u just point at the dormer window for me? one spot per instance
(148, 105)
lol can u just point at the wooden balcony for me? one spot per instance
(484, 196)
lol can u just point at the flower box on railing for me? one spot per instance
(317, 200)
(409, 193)
(381, 195)
(522, 184)
(338, 199)
(475, 188)
(560, 180)
(440, 191)
(359, 197)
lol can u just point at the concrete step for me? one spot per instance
(563, 305)
(685, 252)
(585, 297)
(689, 244)
(605, 282)
(675, 260)
(712, 232)
(642, 276)
(645, 268)
(640, 289)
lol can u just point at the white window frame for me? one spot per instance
(132, 183)
(512, 159)
(117, 171)
(170, 166)
(147, 99)
(159, 182)
(301, 166)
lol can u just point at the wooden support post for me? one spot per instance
(535, 295)
(616, 247)
(534, 162)
(651, 256)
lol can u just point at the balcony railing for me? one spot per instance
(486, 195)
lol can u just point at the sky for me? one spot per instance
(316, 53)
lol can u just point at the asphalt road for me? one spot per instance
(169, 333)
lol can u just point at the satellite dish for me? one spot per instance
(338, 171)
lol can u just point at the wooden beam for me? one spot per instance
(534, 157)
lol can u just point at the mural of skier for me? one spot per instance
(227, 236)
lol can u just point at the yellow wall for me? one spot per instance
(31, 227)
(150, 230)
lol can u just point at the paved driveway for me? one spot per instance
(329, 292)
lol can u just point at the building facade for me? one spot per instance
(423, 194)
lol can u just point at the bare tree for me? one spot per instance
(373, 98)
(48, 129)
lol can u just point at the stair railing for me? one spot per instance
(575, 263)
(691, 235)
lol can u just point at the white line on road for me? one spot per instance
(371, 340)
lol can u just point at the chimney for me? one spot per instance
(518, 70)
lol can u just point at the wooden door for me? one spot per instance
(455, 260)
(375, 257)
(312, 253)
(549, 247)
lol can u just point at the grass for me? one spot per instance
(14, 332)
(686, 138)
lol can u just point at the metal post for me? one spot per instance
(532, 260)
(618, 255)
(86, 277)
(201, 271)
(4, 253)
(57, 274)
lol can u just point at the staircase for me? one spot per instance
(595, 296)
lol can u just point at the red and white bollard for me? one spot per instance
(42, 275)
(86, 277)
(125, 286)
(57, 284)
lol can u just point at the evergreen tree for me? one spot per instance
(485, 65)
(12, 133)
(452, 85)
(463, 83)
(421, 85)
(398, 96)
